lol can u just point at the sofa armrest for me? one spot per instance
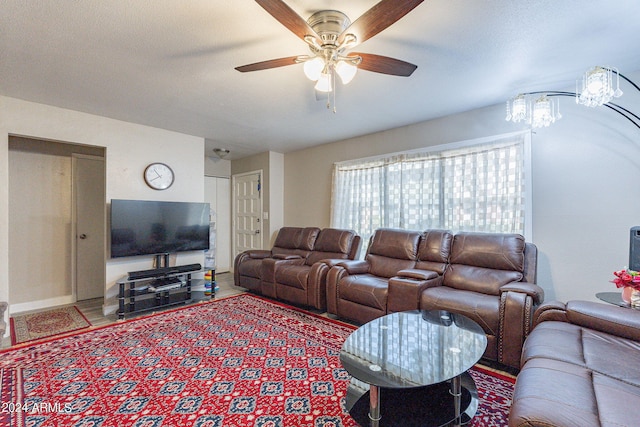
(285, 257)
(334, 275)
(551, 310)
(258, 253)
(331, 262)
(619, 321)
(355, 267)
(518, 302)
(405, 288)
(317, 284)
(415, 273)
(531, 289)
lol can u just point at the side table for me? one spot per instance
(614, 298)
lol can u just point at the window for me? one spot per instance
(471, 186)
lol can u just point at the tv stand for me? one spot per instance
(161, 260)
(148, 290)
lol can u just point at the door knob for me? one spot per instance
(257, 231)
(83, 236)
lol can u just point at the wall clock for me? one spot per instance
(158, 176)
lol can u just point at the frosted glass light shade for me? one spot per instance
(346, 71)
(313, 68)
(324, 83)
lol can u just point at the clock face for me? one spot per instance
(158, 176)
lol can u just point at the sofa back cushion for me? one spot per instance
(295, 241)
(392, 250)
(332, 243)
(433, 250)
(484, 262)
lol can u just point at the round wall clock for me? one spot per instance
(158, 176)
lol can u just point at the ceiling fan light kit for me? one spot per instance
(329, 34)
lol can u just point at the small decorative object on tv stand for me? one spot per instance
(158, 288)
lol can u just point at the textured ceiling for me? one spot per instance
(170, 63)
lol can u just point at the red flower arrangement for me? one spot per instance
(626, 278)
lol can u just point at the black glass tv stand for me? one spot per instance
(150, 290)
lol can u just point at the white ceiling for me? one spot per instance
(170, 63)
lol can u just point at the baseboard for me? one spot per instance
(109, 309)
(37, 305)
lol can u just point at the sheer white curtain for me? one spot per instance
(478, 187)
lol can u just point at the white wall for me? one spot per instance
(129, 148)
(586, 170)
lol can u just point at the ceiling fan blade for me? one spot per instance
(378, 18)
(288, 17)
(265, 65)
(385, 65)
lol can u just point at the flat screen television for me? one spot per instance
(141, 227)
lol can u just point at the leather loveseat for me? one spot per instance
(488, 277)
(292, 270)
(359, 290)
(580, 367)
(491, 279)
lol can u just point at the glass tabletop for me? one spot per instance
(413, 348)
(612, 298)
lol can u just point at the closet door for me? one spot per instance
(218, 195)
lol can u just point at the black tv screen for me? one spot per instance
(140, 227)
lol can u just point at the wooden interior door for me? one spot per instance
(247, 212)
(90, 220)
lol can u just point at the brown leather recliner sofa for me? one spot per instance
(294, 270)
(359, 290)
(580, 367)
(491, 279)
(485, 276)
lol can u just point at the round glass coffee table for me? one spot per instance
(414, 364)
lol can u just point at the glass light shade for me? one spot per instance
(346, 71)
(324, 83)
(517, 109)
(545, 112)
(313, 68)
(597, 87)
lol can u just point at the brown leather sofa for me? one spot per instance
(397, 266)
(292, 270)
(580, 367)
(485, 276)
(491, 278)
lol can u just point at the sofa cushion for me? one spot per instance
(393, 243)
(482, 280)
(365, 289)
(482, 309)
(493, 251)
(296, 238)
(598, 351)
(433, 250)
(292, 275)
(555, 393)
(331, 243)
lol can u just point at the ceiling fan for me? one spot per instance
(330, 35)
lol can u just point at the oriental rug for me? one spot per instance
(35, 326)
(240, 361)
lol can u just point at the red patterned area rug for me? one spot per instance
(240, 361)
(35, 326)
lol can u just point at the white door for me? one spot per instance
(90, 221)
(247, 212)
(218, 194)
